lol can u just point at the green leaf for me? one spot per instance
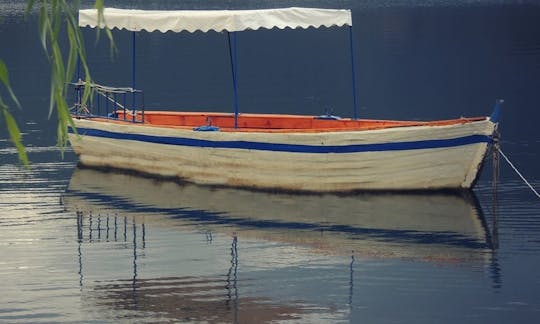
(4, 73)
(58, 62)
(56, 20)
(99, 6)
(52, 97)
(57, 75)
(15, 134)
(29, 6)
(112, 45)
(43, 26)
(4, 77)
(88, 90)
(64, 119)
(73, 50)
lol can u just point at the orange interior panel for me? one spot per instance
(273, 122)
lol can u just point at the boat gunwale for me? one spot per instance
(348, 124)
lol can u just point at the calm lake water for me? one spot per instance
(80, 245)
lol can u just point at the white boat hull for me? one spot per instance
(400, 158)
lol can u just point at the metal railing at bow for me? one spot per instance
(108, 102)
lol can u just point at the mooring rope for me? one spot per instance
(517, 171)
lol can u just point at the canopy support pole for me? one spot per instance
(133, 70)
(78, 68)
(78, 87)
(233, 49)
(353, 74)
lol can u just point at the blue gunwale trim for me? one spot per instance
(291, 148)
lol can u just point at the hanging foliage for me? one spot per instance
(57, 20)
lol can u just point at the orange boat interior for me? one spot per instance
(270, 122)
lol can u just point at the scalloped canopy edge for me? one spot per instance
(214, 20)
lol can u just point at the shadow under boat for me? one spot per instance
(434, 227)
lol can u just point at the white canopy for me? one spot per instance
(216, 20)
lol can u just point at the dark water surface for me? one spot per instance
(79, 245)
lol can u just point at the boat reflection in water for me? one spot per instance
(186, 278)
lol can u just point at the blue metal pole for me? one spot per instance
(78, 69)
(78, 87)
(353, 73)
(233, 49)
(133, 71)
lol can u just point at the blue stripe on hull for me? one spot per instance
(293, 148)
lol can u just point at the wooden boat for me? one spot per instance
(268, 151)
